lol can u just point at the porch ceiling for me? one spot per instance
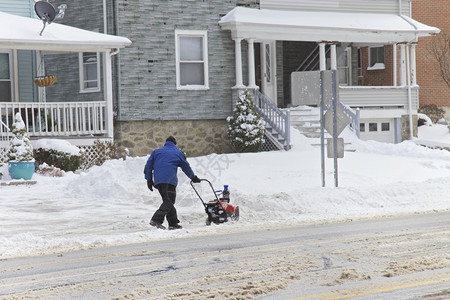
(314, 26)
(23, 33)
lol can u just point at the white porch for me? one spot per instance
(329, 29)
(64, 119)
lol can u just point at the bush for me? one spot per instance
(62, 160)
(20, 148)
(50, 171)
(434, 112)
(245, 128)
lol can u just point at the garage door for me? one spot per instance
(381, 130)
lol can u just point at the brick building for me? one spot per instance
(433, 89)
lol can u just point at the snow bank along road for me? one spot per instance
(385, 258)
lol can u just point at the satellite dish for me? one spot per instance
(47, 13)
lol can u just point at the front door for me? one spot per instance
(344, 66)
(268, 71)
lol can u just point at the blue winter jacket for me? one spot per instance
(163, 165)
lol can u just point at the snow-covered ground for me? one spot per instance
(111, 205)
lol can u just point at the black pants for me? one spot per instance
(167, 208)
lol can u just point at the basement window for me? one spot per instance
(373, 127)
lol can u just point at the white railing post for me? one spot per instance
(108, 93)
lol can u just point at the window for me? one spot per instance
(5, 77)
(385, 126)
(89, 72)
(376, 58)
(373, 127)
(362, 127)
(268, 66)
(191, 59)
(359, 62)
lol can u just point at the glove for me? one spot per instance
(195, 179)
(150, 185)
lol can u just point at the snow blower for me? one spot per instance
(218, 210)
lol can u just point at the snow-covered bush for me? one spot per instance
(20, 149)
(434, 112)
(245, 128)
(50, 171)
(58, 153)
(423, 119)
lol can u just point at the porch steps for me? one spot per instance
(306, 119)
(276, 139)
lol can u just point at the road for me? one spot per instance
(403, 257)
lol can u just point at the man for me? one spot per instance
(161, 172)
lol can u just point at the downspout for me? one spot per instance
(105, 20)
(408, 71)
(408, 77)
(115, 12)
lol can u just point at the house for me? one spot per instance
(433, 89)
(25, 42)
(189, 59)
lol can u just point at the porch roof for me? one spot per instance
(315, 26)
(23, 33)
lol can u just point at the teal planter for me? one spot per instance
(21, 169)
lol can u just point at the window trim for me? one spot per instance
(81, 66)
(192, 33)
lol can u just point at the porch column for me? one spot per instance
(402, 64)
(394, 64)
(322, 57)
(413, 64)
(333, 57)
(238, 63)
(251, 64)
(108, 93)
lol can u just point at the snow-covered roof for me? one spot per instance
(318, 26)
(18, 32)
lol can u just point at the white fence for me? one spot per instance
(56, 119)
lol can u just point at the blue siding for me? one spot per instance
(27, 90)
(22, 8)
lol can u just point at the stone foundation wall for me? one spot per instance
(405, 127)
(195, 137)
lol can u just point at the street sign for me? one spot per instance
(340, 148)
(342, 120)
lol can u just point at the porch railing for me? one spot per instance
(55, 119)
(354, 117)
(279, 121)
(4, 132)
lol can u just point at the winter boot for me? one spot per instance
(157, 225)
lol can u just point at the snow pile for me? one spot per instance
(110, 204)
(57, 145)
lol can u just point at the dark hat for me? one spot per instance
(171, 139)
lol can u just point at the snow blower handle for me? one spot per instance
(210, 184)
